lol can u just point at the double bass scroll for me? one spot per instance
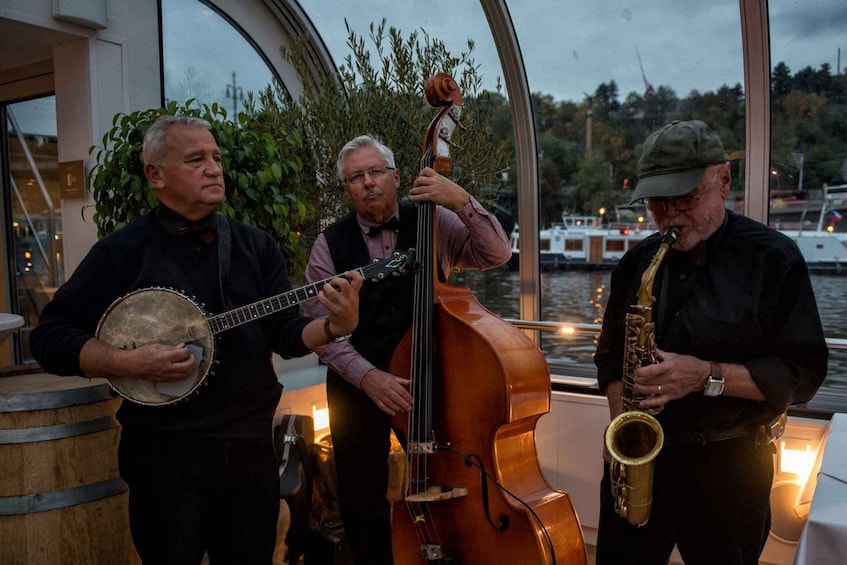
(475, 492)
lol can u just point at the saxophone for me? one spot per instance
(635, 437)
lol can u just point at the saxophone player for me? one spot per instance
(737, 340)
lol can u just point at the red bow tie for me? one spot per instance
(205, 233)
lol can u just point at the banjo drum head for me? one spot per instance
(158, 315)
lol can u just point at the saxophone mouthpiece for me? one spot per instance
(671, 236)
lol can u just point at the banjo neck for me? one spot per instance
(244, 314)
(396, 264)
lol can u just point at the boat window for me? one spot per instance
(206, 58)
(595, 101)
(615, 245)
(808, 158)
(454, 24)
(574, 244)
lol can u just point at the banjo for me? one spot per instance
(163, 315)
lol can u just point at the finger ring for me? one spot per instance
(660, 388)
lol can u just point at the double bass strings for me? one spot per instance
(420, 438)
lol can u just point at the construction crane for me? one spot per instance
(648, 88)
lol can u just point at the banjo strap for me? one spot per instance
(224, 252)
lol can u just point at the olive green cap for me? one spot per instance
(674, 159)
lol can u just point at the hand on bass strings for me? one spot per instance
(389, 392)
(429, 186)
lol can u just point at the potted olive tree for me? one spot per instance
(384, 96)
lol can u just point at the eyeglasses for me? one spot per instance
(679, 203)
(357, 179)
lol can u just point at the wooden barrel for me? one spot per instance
(61, 499)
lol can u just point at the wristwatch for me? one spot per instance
(334, 338)
(714, 382)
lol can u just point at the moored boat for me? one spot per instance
(590, 242)
(584, 242)
(825, 246)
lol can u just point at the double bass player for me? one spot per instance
(362, 395)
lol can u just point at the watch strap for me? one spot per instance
(330, 336)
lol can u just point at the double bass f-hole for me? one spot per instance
(483, 480)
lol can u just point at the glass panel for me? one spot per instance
(455, 24)
(36, 214)
(604, 75)
(452, 22)
(809, 150)
(206, 58)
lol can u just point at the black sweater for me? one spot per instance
(239, 399)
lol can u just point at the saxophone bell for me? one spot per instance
(633, 439)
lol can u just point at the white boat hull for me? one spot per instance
(601, 248)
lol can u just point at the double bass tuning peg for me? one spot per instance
(445, 137)
(455, 114)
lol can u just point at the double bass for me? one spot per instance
(474, 489)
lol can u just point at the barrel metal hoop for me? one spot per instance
(59, 431)
(47, 400)
(44, 501)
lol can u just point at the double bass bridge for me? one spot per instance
(436, 494)
(432, 493)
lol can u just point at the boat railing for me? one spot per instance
(570, 376)
(573, 221)
(582, 378)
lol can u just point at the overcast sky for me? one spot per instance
(569, 46)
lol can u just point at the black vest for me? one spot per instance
(385, 307)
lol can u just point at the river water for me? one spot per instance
(579, 297)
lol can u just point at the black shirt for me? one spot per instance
(747, 300)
